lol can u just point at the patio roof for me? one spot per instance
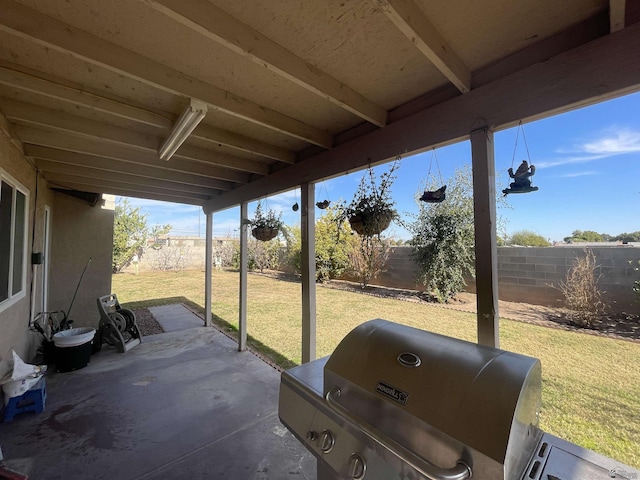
(295, 91)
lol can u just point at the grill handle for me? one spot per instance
(460, 472)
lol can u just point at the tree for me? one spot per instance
(332, 250)
(527, 238)
(130, 234)
(584, 236)
(443, 238)
(627, 237)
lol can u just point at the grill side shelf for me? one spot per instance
(460, 472)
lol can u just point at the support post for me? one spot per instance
(208, 269)
(242, 320)
(307, 226)
(484, 213)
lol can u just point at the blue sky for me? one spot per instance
(587, 170)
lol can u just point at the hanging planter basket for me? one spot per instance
(264, 234)
(264, 226)
(434, 196)
(368, 224)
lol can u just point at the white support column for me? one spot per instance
(244, 266)
(484, 212)
(208, 269)
(307, 226)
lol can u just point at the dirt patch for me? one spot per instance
(147, 324)
(615, 325)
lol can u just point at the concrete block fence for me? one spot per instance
(530, 274)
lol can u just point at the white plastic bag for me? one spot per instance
(23, 377)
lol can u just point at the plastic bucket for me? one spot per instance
(73, 348)
(73, 337)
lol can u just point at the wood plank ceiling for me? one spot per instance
(297, 90)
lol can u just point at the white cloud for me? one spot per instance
(620, 142)
(568, 160)
(580, 174)
(614, 141)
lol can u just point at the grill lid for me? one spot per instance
(413, 384)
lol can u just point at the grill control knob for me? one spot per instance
(357, 467)
(327, 440)
(311, 435)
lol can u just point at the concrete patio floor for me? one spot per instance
(183, 404)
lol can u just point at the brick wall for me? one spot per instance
(527, 274)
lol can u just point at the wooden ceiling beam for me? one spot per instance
(617, 10)
(594, 72)
(49, 166)
(72, 143)
(215, 24)
(34, 115)
(124, 184)
(125, 192)
(51, 33)
(73, 160)
(119, 110)
(414, 24)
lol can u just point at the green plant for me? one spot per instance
(527, 238)
(443, 239)
(636, 284)
(332, 250)
(130, 234)
(581, 292)
(265, 226)
(371, 209)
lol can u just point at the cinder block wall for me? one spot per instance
(528, 274)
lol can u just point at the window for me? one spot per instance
(13, 237)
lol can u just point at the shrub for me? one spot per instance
(369, 259)
(332, 250)
(166, 258)
(581, 292)
(443, 239)
(527, 238)
(636, 284)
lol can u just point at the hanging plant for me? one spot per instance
(295, 206)
(371, 209)
(265, 227)
(325, 203)
(522, 176)
(434, 196)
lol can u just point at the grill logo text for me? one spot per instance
(392, 392)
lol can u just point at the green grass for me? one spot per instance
(591, 385)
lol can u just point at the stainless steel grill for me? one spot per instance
(394, 402)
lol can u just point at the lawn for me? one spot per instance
(591, 385)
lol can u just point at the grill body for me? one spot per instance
(394, 402)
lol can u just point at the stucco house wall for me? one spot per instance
(80, 232)
(77, 231)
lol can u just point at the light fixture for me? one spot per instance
(187, 122)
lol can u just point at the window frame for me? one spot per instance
(13, 298)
